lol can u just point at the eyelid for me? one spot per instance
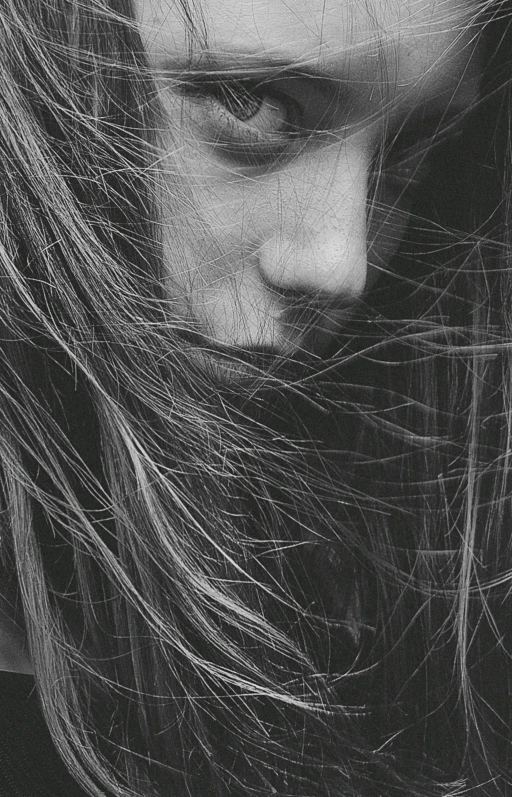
(326, 103)
(221, 88)
(271, 73)
(241, 142)
(326, 108)
(224, 91)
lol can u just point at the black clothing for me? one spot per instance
(29, 763)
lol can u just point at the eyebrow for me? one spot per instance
(221, 61)
(241, 62)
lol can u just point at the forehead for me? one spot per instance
(401, 42)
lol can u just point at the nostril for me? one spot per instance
(313, 283)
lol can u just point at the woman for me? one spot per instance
(254, 397)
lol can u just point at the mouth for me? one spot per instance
(299, 348)
(248, 366)
(237, 365)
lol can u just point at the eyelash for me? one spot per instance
(229, 108)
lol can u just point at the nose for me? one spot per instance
(317, 258)
(329, 262)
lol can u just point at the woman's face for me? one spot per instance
(283, 113)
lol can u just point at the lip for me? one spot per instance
(298, 348)
(233, 365)
(254, 369)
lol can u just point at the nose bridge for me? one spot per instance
(320, 240)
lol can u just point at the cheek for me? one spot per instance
(228, 216)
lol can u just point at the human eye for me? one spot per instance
(246, 122)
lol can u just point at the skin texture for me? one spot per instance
(281, 249)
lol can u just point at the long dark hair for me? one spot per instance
(297, 589)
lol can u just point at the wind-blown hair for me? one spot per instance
(218, 599)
